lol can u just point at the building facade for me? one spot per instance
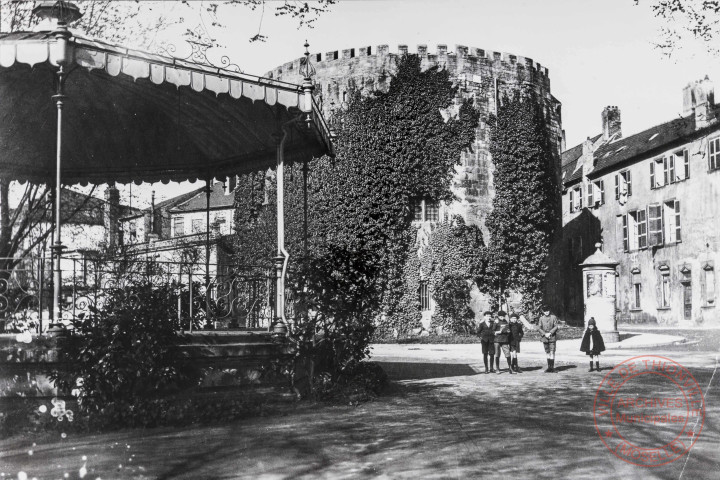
(653, 200)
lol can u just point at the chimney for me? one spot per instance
(111, 216)
(229, 184)
(698, 100)
(611, 123)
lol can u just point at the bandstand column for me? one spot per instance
(279, 325)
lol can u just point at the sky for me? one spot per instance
(598, 52)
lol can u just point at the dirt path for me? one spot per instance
(439, 420)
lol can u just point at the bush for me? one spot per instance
(337, 302)
(125, 355)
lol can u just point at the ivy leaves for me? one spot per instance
(524, 212)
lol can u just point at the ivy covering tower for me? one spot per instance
(525, 207)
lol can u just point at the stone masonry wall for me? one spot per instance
(482, 76)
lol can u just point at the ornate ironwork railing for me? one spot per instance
(229, 297)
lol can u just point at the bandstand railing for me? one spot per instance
(231, 297)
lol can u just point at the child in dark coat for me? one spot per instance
(592, 344)
(502, 341)
(486, 332)
(516, 334)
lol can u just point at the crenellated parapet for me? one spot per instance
(461, 58)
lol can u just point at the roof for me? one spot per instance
(173, 201)
(635, 147)
(569, 161)
(130, 115)
(198, 201)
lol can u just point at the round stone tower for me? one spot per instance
(483, 76)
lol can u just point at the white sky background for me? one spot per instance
(598, 52)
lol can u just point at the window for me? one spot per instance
(635, 235)
(576, 200)
(424, 296)
(708, 285)
(425, 210)
(596, 194)
(417, 209)
(673, 168)
(621, 234)
(637, 293)
(681, 166)
(655, 225)
(659, 172)
(178, 226)
(432, 211)
(671, 222)
(198, 225)
(665, 290)
(623, 184)
(714, 154)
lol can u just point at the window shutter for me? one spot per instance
(652, 174)
(641, 229)
(655, 233)
(617, 186)
(590, 194)
(629, 184)
(626, 246)
(602, 192)
(672, 168)
(687, 163)
(580, 197)
(665, 171)
(678, 238)
(572, 201)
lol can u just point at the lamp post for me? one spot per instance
(62, 13)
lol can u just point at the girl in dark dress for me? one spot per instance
(592, 344)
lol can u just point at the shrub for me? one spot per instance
(125, 355)
(338, 299)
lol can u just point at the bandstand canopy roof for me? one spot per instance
(135, 116)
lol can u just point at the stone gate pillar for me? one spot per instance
(599, 293)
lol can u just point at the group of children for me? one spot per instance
(498, 335)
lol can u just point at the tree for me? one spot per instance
(697, 20)
(140, 22)
(26, 228)
(525, 210)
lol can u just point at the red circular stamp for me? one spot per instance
(649, 410)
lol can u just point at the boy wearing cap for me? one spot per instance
(502, 340)
(516, 334)
(548, 326)
(486, 332)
